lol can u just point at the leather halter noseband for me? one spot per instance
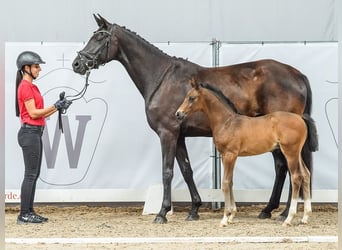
(90, 59)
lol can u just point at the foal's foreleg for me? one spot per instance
(227, 188)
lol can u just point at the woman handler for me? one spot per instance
(30, 108)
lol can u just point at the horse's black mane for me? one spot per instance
(219, 93)
(145, 41)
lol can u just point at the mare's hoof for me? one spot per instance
(264, 215)
(282, 217)
(192, 217)
(160, 220)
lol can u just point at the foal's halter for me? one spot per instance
(90, 59)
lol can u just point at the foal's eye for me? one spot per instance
(191, 98)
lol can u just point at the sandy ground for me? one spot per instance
(112, 222)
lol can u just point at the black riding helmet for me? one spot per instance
(28, 58)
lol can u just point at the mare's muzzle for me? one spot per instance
(84, 62)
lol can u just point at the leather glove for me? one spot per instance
(66, 104)
(60, 104)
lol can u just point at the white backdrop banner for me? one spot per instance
(107, 143)
(319, 62)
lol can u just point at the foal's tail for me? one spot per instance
(312, 137)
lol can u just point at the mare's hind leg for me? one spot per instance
(185, 167)
(227, 188)
(281, 171)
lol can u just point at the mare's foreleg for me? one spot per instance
(227, 188)
(168, 145)
(185, 167)
(280, 166)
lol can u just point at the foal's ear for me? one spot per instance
(193, 83)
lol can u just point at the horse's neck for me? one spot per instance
(145, 64)
(217, 111)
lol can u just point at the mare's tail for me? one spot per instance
(311, 142)
(312, 138)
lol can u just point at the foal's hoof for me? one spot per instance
(264, 215)
(286, 224)
(304, 221)
(192, 217)
(160, 220)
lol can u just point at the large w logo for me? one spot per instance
(69, 155)
(73, 150)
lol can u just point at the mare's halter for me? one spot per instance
(91, 62)
(90, 59)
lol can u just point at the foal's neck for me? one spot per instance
(217, 111)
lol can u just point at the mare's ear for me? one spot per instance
(101, 22)
(193, 83)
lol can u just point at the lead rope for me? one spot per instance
(60, 123)
(79, 95)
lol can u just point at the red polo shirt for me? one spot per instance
(27, 91)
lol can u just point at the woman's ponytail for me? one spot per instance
(17, 82)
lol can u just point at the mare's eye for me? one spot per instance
(99, 36)
(191, 98)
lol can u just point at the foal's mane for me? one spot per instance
(220, 95)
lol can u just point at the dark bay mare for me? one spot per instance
(256, 88)
(240, 135)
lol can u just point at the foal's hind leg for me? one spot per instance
(306, 194)
(296, 181)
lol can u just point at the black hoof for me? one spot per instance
(160, 220)
(264, 215)
(282, 217)
(192, 217)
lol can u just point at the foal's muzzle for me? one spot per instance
(180, 115)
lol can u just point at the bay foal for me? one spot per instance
(239, 135)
